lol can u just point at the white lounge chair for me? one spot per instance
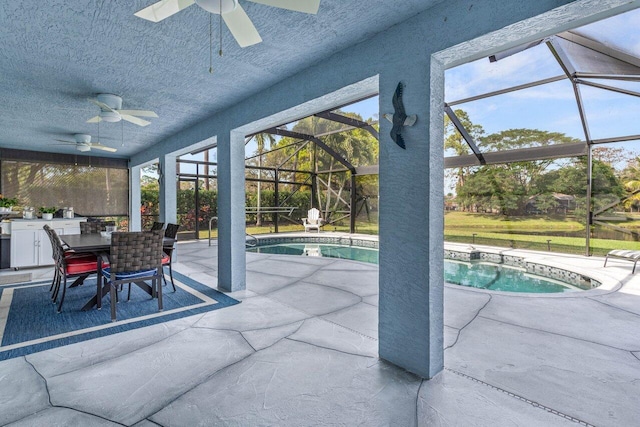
(624, 254)
(312, 220)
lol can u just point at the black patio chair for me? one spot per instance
(157, 226)
(171, 232)
(68, 264)
(135, 257)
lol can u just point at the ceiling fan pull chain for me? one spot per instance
(210, 44)
(122, 131)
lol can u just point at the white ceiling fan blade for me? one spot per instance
(102, 105)
(163, 9)
(134, 120)
(64, 140)
(95, 119)
(139, 113)
(99, 146)
(306, 6)
(241, 27)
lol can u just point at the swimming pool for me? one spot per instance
(480, 275)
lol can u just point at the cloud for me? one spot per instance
(617, 31)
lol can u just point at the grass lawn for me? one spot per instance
(487, 222)
(495, 230)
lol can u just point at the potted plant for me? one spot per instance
(47, 213)
(6, 204)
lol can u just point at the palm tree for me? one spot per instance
(357, 146)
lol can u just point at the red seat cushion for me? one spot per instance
(166, 259)
(83, 264)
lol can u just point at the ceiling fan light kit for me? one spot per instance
(111, 111)
(110, 116)
(83, 143)
(82, 138)
(113, 101)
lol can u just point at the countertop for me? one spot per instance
(78, 218)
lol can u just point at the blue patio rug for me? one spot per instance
(30, 323)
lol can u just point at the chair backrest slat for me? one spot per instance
(313, 213)
(56, 246)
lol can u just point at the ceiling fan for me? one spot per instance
(231, 11)
(83, 143)
(111, 111)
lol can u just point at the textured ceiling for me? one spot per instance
(57, 53)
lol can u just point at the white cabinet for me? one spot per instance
(30, 245)
(67, 226)
(24, 245)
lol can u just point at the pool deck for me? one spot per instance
(301, 350)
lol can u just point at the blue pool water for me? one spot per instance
(314, 249)
(499, 277)
(495, 277)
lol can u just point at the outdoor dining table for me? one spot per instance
(101, 247)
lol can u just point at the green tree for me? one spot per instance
(630, 178)
(507, 187)
(612, 156)
(572, 179)
(455, 143)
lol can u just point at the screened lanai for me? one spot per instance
(542, 142)
(327, 161)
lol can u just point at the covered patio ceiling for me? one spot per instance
(56, 54)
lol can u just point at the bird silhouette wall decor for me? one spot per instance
(399, 119)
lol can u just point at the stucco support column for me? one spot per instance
(231, 213)
(411, 222)
(168, 190)
(135, 218)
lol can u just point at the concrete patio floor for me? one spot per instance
(301, 349)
